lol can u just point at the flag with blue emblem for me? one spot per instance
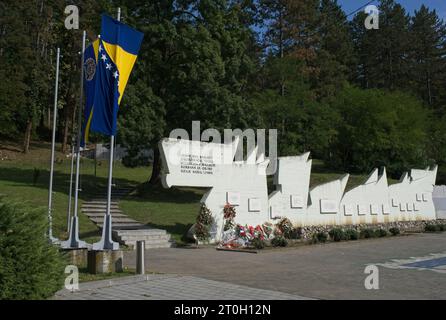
(113, 56)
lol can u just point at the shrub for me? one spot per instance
(380, 233)
(394, 231)
(296, 233)
(319, 237)
(367, 233)
(258, 243)
(30, 267)
(442, 227)
(431, 228)
(279, 242)
(337, 234)
(351, 234)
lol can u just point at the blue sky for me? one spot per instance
(410, 5)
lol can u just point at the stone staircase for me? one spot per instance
(125, 229)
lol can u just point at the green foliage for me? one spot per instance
(279, 241)
(367, 233)
(381, 233)
(258, 243)
(296, 233)
(319, 237)
(394, 231)
(351, 234)
(30, 268)
(337, 234)
(376, 129)
(432, 228)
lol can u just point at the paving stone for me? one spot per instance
(172, 288)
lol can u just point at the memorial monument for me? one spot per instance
(243, 184)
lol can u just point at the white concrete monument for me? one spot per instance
(243, 184)
(439, 197)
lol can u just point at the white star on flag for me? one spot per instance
(100, 48)
(109, 66)
(116, 74)
(104, 58)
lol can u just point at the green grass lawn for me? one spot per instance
(173, 210)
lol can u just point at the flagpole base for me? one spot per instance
(73, 241)
(106, 242)
(54, 241)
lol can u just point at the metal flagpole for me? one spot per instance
(70, 196)
(53, 147)
(107, 242)
(73, 241)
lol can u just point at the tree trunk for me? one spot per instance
(154, 179)
(29, 127)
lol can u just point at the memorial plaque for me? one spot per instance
(362, 210)
(254, 205)
(349, 209)
(386, 209)
(329, 206)
(233, 198)
(297, 201)
(374, 209)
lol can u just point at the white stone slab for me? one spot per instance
(329, 206)
(254, 205)
(297, 201)
(374, 209)
(386, 209)
(349, 209)
(233, 198)
(362, 210)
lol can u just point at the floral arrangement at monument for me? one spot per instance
(246, 236)
(285, 227)
(229, 216)
(203, 224)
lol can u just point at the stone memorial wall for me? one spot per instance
(243, 184)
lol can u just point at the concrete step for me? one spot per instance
(152, 245)
(124, 226)
(98, 206)
(101, 210)
(115, 220)
(101, 202)
(165, 237)
(101, 215)
(154, 238)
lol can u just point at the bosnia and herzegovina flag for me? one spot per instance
(108, 62)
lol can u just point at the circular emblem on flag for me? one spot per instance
(90, 69)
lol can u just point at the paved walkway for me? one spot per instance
(168, 287)
(330, 271)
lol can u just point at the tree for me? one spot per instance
(428, 35)
(30, 268)
(378, 129)
(383, 54)
(195, 61)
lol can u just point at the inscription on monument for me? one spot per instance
(197, 164)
